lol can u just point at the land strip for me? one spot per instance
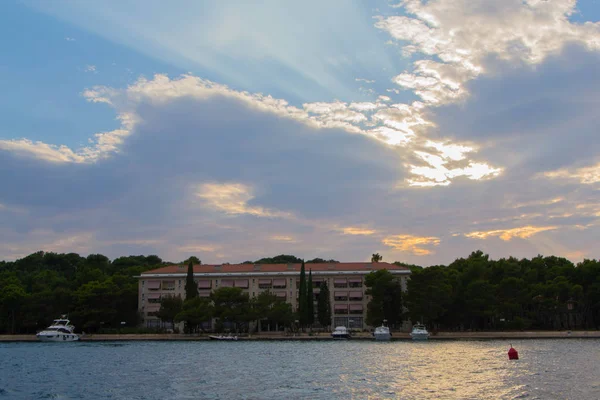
(324, 336)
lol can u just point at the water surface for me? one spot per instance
(548, 369)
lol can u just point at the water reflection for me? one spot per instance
(548, 369)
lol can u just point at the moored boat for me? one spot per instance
(419, 332)
(60, 330)
(382, 332)
(341, 332)
(221, 337)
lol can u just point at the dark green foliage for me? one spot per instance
(301, 311)
(268, 306)
(280, 259)
(376, 258)
(94, 292)
(170, 307)
(310, 305)
(232, 305)
(470, 293)
(386, 298)
(324, 306)
(194, 312)
(191, 287)
(193, 259)
(322, 261)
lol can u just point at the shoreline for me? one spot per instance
(397, 336)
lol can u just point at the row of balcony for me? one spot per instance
(156, 285)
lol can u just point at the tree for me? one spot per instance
(232, 305)
(324, 306)
(262, 305)
(301, 311)
(386, 298)
(280, 259)
(310, 305)
(268, 306)
(191, 287)
(12, 298)
(375, 258)
(170, 306)
(194, 260)
(322, 261)
(281, 313)
(429, 292)
(194, 312)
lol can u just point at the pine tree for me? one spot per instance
(301, 311)
(310, 305)
(324, 306)
(191, 287)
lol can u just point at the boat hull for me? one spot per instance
(340, 336)
(213, 337)
(419, 336)
(382, 336)
(57, 337)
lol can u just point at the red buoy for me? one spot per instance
(513, 354)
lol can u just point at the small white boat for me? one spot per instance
(341, 332)
(382, 332)
(419, 332)
(221, 337)
(60, 330)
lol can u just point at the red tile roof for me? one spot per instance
(232, 268)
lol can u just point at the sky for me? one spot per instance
(420, 130)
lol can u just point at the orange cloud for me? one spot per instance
(508, 234)
(411, 244)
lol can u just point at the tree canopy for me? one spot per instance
(475, 293)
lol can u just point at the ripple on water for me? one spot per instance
(301, 370)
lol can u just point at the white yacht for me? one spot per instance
(382, 332)
(341, 332)
(419, 332)
(60, 330)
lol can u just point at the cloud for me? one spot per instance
(493, 130)
(586, 175)
(69, 39)
(283, 238)
(90, 68)
(411, 244)
(464, 34)
(198, 249)
(233, 198)
(351, 230)
(522, 232)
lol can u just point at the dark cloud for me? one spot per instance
(532, 119)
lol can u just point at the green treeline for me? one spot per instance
(475, 293)
(97, 294)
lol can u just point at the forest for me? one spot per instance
(473, 293)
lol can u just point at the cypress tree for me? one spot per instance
(324, 306)
(191, 288)
(302, 297)
(310, 305)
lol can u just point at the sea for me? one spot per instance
(456, 369)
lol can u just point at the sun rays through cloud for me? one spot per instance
(414, 129)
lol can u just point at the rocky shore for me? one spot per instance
(324, 336)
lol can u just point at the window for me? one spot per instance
(340, 296)
(279, 283)
(265, 283)
(340, 283)
(355, 296)
(355, 282)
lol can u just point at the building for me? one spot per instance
(344, 280)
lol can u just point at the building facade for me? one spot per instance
(344, 280)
